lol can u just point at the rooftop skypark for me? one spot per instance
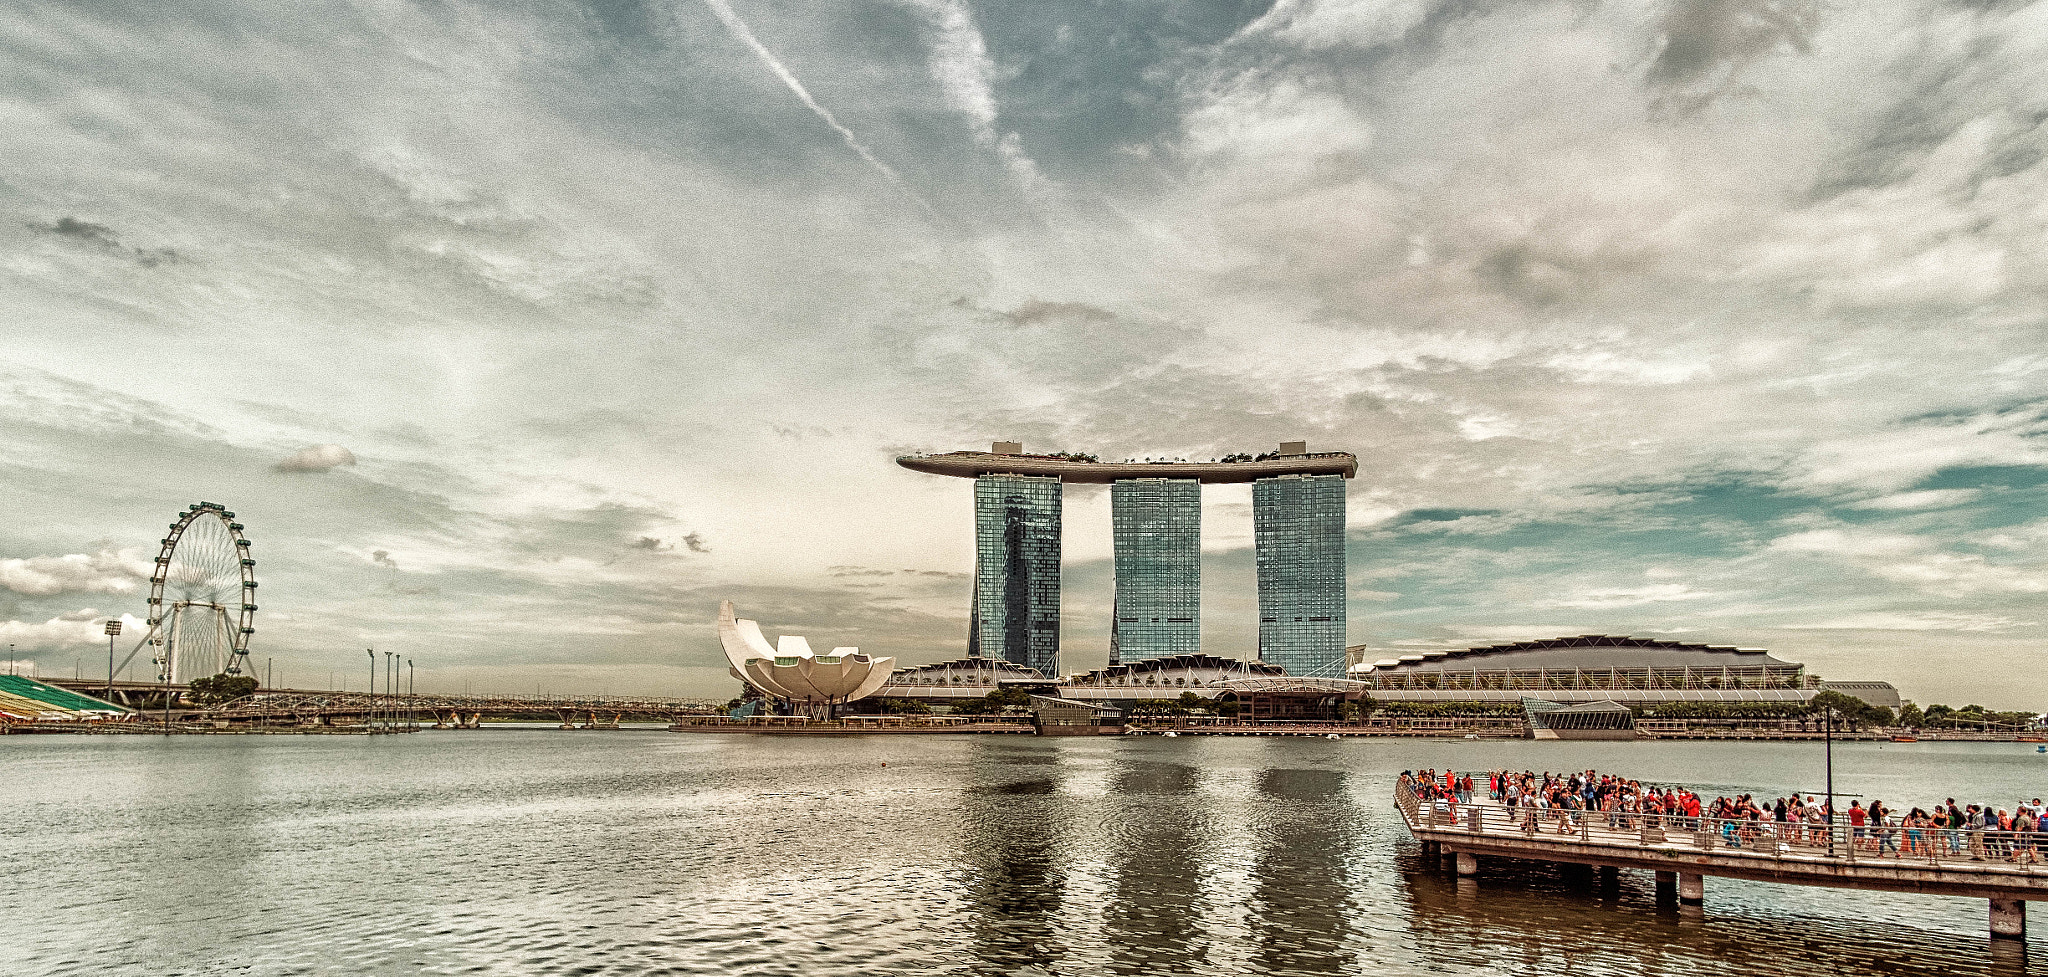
(1009, 458)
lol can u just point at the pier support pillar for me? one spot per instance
(1446, 858)
(1667, 887)
(1691, 889)
(1430, 849)
(1610, 878)
(1468, 863)
(2008, 919)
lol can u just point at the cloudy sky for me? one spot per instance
(519, 334)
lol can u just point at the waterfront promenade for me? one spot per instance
(1682, 851)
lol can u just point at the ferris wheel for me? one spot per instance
(202, 597)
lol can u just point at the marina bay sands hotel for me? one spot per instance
(1156, 510)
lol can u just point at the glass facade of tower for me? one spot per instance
(1158, 535)
(1298, 533)
(1017, 571)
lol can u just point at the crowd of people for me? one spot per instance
(1570, 803)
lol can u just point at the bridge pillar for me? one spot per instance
(2008, 919)
(1430, 849)
(1446, 858)
(1667, 887)
(475, 721)
(1610, 878)
(568, 718)
(1691, 889)
(1468, 863)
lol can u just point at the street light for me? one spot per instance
(1828, 739)
(370, 713)
(410, 724)
(113, 631)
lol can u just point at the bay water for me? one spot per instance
(649, 852)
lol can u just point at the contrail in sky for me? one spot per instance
(965, 74)
(740, 30)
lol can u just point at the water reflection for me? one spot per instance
(1153, 921)
(1301, 922)
(1015, 822)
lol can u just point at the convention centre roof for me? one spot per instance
(1009, 458)
(1586, 651)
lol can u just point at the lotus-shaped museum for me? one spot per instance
(790, 670)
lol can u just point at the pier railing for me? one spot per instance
(1964, 848)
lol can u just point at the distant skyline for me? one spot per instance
(521, 334)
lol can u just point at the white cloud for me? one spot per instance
(1916, 621)
(1321, 24)
(105, 572)
(319, 458)
(1923, 499)
(1613, 597)
(65, 632)
(1915, 561)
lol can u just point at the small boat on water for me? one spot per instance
(2030, 739)
(1905, 739)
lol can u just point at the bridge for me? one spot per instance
(1682, 851)
(314, 707)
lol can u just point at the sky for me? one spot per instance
(520, 334)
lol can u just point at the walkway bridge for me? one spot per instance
(2001, 866)
(311, 707)
(444, 710)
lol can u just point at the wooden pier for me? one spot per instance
(2002, 867)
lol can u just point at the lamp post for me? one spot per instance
(410, 724)
(1828, 741)
(113, 631)
(390, 706)
(370, 712)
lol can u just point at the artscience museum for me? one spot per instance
(789, 670)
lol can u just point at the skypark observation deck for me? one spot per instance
(974, 464)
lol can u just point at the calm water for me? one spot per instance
(543, 852)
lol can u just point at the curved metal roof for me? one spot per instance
(1581, 651)
(1164, 663)
(973, 464)
(1648, 697)
(997, 666)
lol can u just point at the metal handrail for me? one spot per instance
(1966, 849)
